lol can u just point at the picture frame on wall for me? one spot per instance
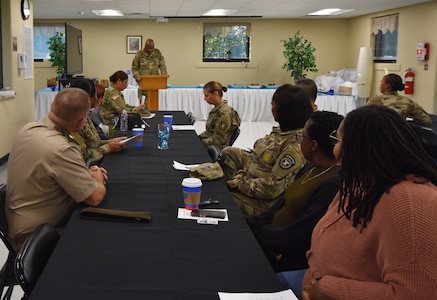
(133, 43)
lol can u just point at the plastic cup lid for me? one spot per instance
(191, 182)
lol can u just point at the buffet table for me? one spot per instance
(337, 103)
(166, 258)
(253, 105)
(44, 98)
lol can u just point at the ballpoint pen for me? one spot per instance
(145, 123)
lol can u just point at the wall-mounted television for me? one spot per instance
(73, 50)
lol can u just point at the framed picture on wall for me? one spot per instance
(133, 43)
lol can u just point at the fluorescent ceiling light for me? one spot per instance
(219, 12)
(108, 13)
(330, 12)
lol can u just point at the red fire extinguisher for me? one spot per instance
(409, 81)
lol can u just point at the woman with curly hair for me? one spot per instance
(378, 238)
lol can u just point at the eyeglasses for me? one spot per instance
(300, 136)
(333, 137)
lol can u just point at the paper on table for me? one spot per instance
(283, 295)
(182, 127)
(149, 116)
(180, 166)
(186, 214)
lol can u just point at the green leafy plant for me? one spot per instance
(57, 52)
(299, 54)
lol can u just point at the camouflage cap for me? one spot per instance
(207, 171)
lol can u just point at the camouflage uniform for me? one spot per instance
(114, 104)
(145, 64)
(221, 124)
(258, 177)
(403, 105)
(91, 146)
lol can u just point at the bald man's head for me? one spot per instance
(70, 104)
(149, 46)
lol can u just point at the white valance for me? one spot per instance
(384, 24)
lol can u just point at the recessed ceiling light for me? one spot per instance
(218, 12)
(108, 13)
(330, 12)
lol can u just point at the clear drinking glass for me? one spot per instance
(163, 135)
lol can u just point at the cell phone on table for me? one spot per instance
(208, 213)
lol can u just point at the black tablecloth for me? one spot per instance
(167, 258)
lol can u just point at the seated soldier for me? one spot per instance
(256, 178)
(407, 108)
(114, 103)
(92, 147)
(222, 119)
(310, 88)
(96, 113)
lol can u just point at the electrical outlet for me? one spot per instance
(425, 67)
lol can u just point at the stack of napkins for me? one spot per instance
(182, 127)
(180, 166)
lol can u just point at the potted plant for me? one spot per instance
(57, 52)
(299, 54)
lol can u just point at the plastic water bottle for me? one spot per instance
(123, 120)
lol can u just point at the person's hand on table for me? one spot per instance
(312, 291)
(117, 139)
(115, 145)
(99, 174)
(141, 106)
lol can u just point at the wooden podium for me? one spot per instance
(152, 83)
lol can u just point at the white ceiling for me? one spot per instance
(142, 9)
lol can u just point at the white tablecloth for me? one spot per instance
(44, 98)
(131, 96)
(339, 104)
(251, 104)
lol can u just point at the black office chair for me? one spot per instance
(428, 138)
(215, 153)
(7, 276)
(191, 118)
(33, 256)
(234, 136)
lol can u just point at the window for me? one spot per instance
(42, 33)
(385, 32)
(224, 42)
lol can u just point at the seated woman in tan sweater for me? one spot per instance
(378, 238)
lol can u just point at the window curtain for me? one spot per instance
(384, 24)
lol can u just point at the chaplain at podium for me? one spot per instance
(148, 61)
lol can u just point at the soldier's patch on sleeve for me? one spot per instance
(287, 162)
(223, 125)
(115, 97)
(267, 157)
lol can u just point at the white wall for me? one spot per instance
(180, 41)
(15, 112)
(104, 46)
(416, 24)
